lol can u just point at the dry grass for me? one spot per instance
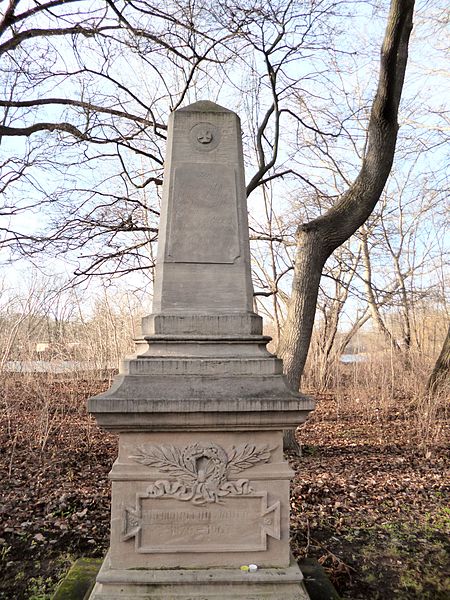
(384, 384)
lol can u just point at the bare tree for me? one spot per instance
(87, 89)
(317, 239)
(82, 132)
(332, 299)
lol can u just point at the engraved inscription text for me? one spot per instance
(204, 209)
(242, 523)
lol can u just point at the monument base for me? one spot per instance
(199, 584)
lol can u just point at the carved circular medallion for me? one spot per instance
(204, 137)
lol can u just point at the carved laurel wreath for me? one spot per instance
(199, 472)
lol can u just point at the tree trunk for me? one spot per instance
(318, 239)
(294, 343)
(441, 372)
(305, 288)
(290, 443)
(370, 296)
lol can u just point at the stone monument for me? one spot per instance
(200, 486)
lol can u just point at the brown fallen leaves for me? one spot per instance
(370, 506)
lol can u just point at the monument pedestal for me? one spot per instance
(200, 486)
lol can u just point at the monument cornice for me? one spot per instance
(166, 415)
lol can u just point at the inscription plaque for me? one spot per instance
(204, 203)
(241, 523)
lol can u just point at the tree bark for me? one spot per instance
(318, 239)
(295, 339)
(441, 372)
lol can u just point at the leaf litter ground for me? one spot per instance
(367, 501)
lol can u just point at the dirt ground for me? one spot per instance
(368, 501)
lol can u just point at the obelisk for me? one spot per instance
(203, 276)
(200, 486)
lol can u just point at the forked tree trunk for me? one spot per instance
(318, 239)
(370, 296)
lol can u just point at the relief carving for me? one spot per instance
(200, 473)
(204, 136)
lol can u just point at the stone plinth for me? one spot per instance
(200, 584)
(200, 486)
(211, 499)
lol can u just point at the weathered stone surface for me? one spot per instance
(316, 580)
(207, 366)
(209, 380)
(200, 584)
(189, 499)
(81, 577)
(203, 250)
(203, 208)
(212, 325)
(200, 486)
(79, 580)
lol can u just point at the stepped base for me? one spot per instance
(199, 584)
(200, 382)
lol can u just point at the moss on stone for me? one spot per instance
(317, 584)
(79, 580)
